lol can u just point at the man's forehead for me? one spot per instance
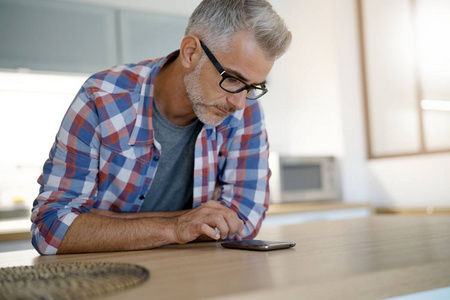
(244, 58)
(253, 71)
(239, 75)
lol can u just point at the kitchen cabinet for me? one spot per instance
(146, 35)
(56, 36)
(49, 35)
(407, 70)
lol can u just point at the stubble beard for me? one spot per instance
(197, 98)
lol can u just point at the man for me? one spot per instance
(167, 151)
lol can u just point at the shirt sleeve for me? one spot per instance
(244, 175)
(69, 179)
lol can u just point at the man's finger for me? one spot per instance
(209, 231)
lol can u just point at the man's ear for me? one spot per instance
(190, 51)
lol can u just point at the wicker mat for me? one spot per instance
(79, 280)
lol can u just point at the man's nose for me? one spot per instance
(238, 100)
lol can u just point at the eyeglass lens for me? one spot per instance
(233, 85)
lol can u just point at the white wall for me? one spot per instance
(301, 108)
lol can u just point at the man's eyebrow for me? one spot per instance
(242, 77)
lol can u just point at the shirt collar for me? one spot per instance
(142, 133)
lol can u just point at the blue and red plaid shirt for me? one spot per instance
(105, 156)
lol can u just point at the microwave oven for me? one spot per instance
(303, 178)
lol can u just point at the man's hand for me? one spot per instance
(204, 220)
(208, 219)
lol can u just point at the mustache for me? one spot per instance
(228, 108)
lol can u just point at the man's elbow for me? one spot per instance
(39, 243)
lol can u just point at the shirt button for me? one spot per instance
(142, 197)
(156, 158)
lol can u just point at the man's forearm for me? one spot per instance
(91, 232)
(100, 231)
(139, 215)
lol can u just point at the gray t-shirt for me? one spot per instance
(172, 186)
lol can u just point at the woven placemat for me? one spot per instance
(78, 280)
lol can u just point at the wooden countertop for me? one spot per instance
(368, 258)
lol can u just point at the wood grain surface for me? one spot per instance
(368, 258)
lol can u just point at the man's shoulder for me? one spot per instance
(122, 78)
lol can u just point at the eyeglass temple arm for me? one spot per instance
(212, 58)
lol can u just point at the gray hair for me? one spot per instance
(215, 21)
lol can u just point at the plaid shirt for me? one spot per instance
(105, 156)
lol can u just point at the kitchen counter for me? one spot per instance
(366, 258)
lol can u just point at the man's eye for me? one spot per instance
(233, 80)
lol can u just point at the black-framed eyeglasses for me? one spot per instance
(233, 84)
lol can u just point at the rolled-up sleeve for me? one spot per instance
(69, 179)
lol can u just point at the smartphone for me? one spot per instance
(257, 245)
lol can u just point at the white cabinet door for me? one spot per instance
(391, 78)
(433, 23)
(407, 68)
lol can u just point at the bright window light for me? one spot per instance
(33, 106)
(443, 105)
(41, 83)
